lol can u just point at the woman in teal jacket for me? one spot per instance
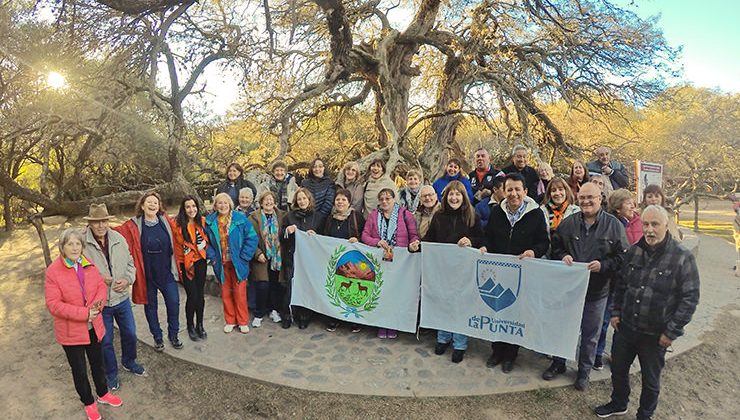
(233, 244)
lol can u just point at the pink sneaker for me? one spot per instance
(92, 412)
(111, 400)
(391, 334)
(382, 333)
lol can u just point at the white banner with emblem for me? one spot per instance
(353, 283)
(532, 302)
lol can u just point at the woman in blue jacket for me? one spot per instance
(233, 244)
(452, 173)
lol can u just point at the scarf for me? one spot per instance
(387, 231)
(557, 214)
(280, 188)
(272, 240)
(78, 265)
(335, 214)
(224, 223)
(413, 203)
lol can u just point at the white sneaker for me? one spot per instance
(229, 328)
(257, 322)
(275, 316)
(244, 329)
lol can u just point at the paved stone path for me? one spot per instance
(343, 362)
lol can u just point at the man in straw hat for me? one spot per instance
(108, 250)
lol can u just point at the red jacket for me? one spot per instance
(65, 302)
(130, 232)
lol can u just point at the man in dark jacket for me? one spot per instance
(604, 165)
(597, 238)
(656, 294)
(482, 177)
(517, 227)
(519, 159)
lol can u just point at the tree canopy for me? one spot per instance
(412, 82)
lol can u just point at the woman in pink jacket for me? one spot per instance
(622, 205)
(388, 226)
(75, 296)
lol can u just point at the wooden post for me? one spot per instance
(37, 222)
(696, 212)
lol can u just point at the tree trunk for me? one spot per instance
(442, 144)
(8, 212)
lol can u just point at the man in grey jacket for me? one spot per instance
(597, 238)
(108, 250)
(655, 296)
(605, 165)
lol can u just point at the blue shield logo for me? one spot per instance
(498, 283)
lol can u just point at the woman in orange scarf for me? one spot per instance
(558, 203)
(190, 253)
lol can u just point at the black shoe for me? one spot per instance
(332, 326)
(201, 332)
(581, 383)
(610, 409)
(159, 345)
(598, 364)
(441, 348)
(285, 323)
(457, 356)
(493, 361)
(176, 343)
(193, 334)
(302, 324)
(507, 366)
(555, 369)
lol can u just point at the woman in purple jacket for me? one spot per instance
(388, 226)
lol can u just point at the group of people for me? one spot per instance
(641, 280)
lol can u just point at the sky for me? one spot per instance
(708, 32)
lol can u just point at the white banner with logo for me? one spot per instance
(532, 302)
(353, 283)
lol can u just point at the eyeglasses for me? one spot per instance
(427, 195)
(385, 199)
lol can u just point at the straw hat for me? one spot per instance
(98, 212)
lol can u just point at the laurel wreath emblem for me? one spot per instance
(333, 294)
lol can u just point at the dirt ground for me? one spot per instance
(35, 380)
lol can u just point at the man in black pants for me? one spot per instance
(655, 296)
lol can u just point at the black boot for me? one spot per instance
(192, 333)
(201, 331)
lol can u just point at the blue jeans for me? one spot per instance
(172, 302)
(124, 317)
(604, 328)
(459, 341)
(627, 345)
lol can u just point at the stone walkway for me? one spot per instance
(343, 362)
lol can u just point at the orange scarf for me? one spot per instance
(557, 214)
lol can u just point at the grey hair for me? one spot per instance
(519, 147)
(662, 212)
(67, 235)
(247, 191)
(427, 186)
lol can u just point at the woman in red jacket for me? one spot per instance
(75, 296)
